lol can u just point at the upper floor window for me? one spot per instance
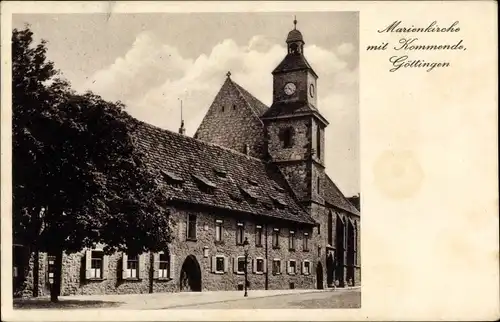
(240, 233)
(191, 227)
(276, 234)
(218, 230)
(291, 240)
(258, 235)
(287, 137)
(305, 246)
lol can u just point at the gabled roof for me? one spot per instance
(293, 62)
(333, 195)
(194, 160)
(255, 104)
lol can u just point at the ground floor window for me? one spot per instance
(132, 270)
(276, 266)
(240, 265)
(306, 267)
(292, 267)
(163, 266)
(96, 264)
(219, 264)
(259, 266)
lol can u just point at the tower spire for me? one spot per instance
(294, 22)
(182, 130)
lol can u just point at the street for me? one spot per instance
(257, 299)
(319, 300)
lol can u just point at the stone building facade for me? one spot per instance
(251, 171)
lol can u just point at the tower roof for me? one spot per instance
(294, 35)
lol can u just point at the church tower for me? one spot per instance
(294, 128)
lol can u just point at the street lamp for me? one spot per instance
(246, 245)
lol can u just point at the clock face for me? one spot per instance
(311, 90)
(290, 88)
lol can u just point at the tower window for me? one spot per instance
(287, 137)
(294, 48)
(318, 141)
(318, 184)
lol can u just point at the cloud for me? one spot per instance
(345, 49)
(152, 78)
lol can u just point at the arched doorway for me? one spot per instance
(319, 276)
(340, 251)
(190, 280)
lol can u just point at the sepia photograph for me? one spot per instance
(186, 160)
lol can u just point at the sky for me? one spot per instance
(151, 61)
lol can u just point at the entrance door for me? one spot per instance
(319, 276)
(330, 268)
(190, 280)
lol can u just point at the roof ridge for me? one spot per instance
(155, 127)
(245, 93)
(245, 99)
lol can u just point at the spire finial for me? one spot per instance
(182, 130)
(228, 74)
(294, 22)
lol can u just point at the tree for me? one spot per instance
(77, 177)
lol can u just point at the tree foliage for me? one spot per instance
(77, 178)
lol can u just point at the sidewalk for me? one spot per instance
(156, 300)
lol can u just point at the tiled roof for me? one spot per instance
(335, 197)
(257, 106)
(284, 109)
(293, 62)
(195, 161)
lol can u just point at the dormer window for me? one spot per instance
(252, 197)
(287, 137)
(252, 182)
(280, 204)
(172, 179)
(220, 172)
(204, 184)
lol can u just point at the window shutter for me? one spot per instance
(265, 265)
(235, 264)
(282, 264)
(172, 266)
(303, 267)
(141, 272)
(105, 266)
(156, 265)
(124, 266)
(213, 264)
(226, 264)
(88, 263)
(254, 266)
(288, 269)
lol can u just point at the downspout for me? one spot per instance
(266, 286)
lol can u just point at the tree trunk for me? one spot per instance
(55, 289)
(36, 272)
(151, 271)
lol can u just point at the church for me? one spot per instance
(252, 174)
